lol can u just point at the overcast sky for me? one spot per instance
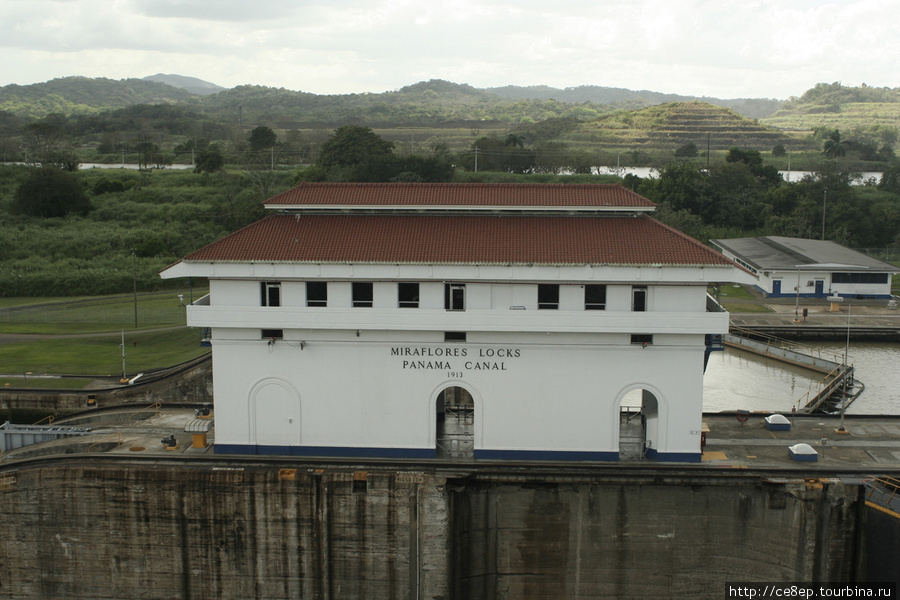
(719, 48)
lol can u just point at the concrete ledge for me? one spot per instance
(545, 455)
(324, 451)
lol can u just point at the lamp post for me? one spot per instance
(134, 283)
(824, 199)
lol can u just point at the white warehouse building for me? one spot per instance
(493, 321)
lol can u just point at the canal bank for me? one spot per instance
(818, 319)
(118, 513)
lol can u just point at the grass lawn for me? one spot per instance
(25, 381)
(89, 338)
(102, 355)
(737, 299)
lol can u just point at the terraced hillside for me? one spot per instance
(675, 124)
(846, 117)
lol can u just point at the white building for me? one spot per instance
(791, 267)
(499, 321)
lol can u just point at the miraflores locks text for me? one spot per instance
(438, 358)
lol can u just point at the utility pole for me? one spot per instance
(476, 159)
(824, 199)
(134, 282)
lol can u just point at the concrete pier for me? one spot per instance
(125, 516)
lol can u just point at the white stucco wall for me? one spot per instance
(557, 394)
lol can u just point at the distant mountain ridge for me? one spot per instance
(190, 84)
(753, 108)
(77, 94)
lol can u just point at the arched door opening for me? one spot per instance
(637, 415)
(455, 432)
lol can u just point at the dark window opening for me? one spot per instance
(455, 296)
(595, 297)
(644, 340)
(639, 298)
(548, 296)
(271, 293)
(362, 294)
(316, 293)
(859, 278)
(454, 336)
(270, 334)
(408, 295)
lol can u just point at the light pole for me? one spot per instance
(134, 283)
(824, 199)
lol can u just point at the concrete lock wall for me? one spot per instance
(76, 529)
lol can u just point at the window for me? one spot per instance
(859, 278)
(272, 334)
(595, 297)
(362, 294)
(643, 340)
(271, 293)
(548, 296)
(455, 296)
(639, 298)
(454, 336)
(316, 293)
(408, 295)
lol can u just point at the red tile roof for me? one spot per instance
(442, 239)
(460, 195)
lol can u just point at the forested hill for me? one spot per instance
(753, 108)
(431, 103)
(73, 95)
(423, 102)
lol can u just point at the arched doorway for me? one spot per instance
(455, 430)
(638, 422)
(274, 418)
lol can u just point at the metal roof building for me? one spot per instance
(809, 268)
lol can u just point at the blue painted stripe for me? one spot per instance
(690, 457)
(545, 455)
(330, 451)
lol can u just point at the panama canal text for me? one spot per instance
(451, 359)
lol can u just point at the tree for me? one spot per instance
(262, 138)
(835, 146)
(890, 180)
(48, 192)
(352, 145)
(43, 141)
(209, 159)
(688, 150)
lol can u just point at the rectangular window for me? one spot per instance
(408, 295)
(454, 336)
(362, 294)
(595, 297)
(859, 278)
(271, 293)
(548, 296)
(455, 296)
(316, 293)
(643, 340)
(639, 298)
(272, 334)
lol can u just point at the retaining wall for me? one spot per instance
(78, 528)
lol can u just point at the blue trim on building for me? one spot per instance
(545, 455)
(688, 457)
(325, 451)
(523, 455)
(825, 295)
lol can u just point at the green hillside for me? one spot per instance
(77, 95)
(675, 124)
(863, 110)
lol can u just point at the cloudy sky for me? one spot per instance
(719, 48)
